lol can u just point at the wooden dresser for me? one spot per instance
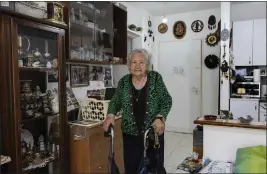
(89, 149)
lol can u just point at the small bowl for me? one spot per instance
(246, 119)
(210, 117)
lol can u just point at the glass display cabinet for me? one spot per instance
(91, 31)
(36, 113)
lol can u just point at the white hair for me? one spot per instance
(146, 55)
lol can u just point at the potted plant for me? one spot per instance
(139, 29)
(132, 27)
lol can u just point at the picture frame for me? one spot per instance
(79, 75)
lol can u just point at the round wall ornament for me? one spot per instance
(197, 26)
(212, 39)
(179, 29)
(163, 28)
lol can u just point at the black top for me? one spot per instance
(139, 105)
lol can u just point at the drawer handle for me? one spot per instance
(99, 167)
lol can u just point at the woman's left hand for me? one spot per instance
(160, 126)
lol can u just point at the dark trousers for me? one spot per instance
(133, 148)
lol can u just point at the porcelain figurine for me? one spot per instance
(48, 65)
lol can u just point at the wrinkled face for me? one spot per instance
(138, 64)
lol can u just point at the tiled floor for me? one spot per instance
(178, 146)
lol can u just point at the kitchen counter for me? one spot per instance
(222, 138)
(232, 123)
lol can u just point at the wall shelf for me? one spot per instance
(132, 34)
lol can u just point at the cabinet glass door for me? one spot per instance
(82, 25)
(39, 114)
(103, 31)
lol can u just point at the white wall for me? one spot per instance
(139, 17)
(248, 11)
(210, 83)
(210, 78)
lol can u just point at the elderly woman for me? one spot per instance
(145, 101)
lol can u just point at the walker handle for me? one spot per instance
(108, 133)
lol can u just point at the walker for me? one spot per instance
(113, 167)
(151, 135)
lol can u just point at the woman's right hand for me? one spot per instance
(110, 119)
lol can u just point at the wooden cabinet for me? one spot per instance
(120, 32)
(89, 149)
(242, 42)
(249, 42)
(259, 42)
(244, 107)
(29, 50)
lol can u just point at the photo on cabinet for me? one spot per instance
(53, 75)
(72, 102)
(96, 73)
(79, 75)
(108, 77)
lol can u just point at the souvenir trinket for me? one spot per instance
(212, 22)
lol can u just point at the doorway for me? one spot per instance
(180, 66)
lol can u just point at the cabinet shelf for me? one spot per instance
(85, 10)
(93, 62)
(37, 69)
(132, 34)
(44, 164)
(25, 120)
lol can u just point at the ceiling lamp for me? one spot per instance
(164, 20)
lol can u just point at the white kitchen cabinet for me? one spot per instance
(244, 107)
(242, 42)
(259, 42)
(263, 111)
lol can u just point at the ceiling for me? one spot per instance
(161, 8)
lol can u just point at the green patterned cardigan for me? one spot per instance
(159, 102)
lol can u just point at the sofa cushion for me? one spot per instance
(251, 160)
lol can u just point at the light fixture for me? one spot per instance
(164, 20)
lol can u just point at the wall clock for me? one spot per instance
(163, 28)
(179, 29)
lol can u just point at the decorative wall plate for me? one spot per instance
(197, 26)
(225, 34)
(212, 22)
(163, 28)
(212, 39)
(212, 61)
(179, 29)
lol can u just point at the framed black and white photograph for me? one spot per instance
(79, 75)
(108, 77)
(97, 73)
(53, 75)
